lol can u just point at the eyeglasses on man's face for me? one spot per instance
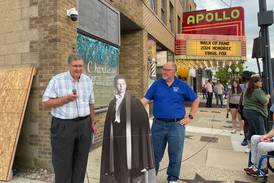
(76, 66)
(167, 70)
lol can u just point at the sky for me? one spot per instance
(251, 8)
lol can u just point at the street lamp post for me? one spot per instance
(265, 19)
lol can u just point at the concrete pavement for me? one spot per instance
(208, 161)
(211, 153)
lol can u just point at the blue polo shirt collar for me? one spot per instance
(173, 83)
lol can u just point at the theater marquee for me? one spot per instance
(199, 50)
(228, 21)
(213, 48)
(212, 38)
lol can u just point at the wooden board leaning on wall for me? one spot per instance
(15, 84)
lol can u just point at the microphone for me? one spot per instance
(74, 91)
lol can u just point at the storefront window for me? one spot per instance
(101, 64)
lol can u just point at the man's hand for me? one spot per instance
(55, 102)
(264, 138)
(185, 121)
(93, 128)
(144, 101)
(71, 97)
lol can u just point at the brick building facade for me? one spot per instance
(39, 33)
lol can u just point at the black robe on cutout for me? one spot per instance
(142, 151)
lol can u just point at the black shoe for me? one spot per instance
(244, 142)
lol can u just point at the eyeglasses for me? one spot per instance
(77, 66)
(167, 70)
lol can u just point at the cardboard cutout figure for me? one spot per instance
(127, 153)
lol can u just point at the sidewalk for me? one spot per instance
(205, 159)
(222, 160)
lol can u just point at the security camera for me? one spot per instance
(73, 14)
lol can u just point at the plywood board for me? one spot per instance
(15, 87)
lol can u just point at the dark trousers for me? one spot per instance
(245, 128)
(255, 123)
(204, 95)
(209, 99)
(70, 141)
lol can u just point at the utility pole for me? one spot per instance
(265, 19)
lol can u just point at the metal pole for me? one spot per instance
(266, 57)
(259, 67)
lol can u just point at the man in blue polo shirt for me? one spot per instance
(169, 95)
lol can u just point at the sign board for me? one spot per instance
(100, 19)
(228, 21)
(217, 48)
(210, 47)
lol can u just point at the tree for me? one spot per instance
(225, 76)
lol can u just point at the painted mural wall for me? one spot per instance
(101, 64)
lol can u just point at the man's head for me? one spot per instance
(169, 71)
(76, 65)
(120, 84)
(246, 76)
(218, 81)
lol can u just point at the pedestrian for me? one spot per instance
(209, 90)
(127, 152)
(260, 145)
(255, 107)
(245, 78)
(219, 90)
(234, 96)
(70, 97)
(204, 91)
(168, 95)
(225, 90)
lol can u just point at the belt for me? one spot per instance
(80, 118)
(169, 119)
(74, 119)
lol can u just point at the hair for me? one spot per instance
(239, 90)
(119, 76)
(74, 57)
(251, 85)
(173, 64)
(246, 76)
